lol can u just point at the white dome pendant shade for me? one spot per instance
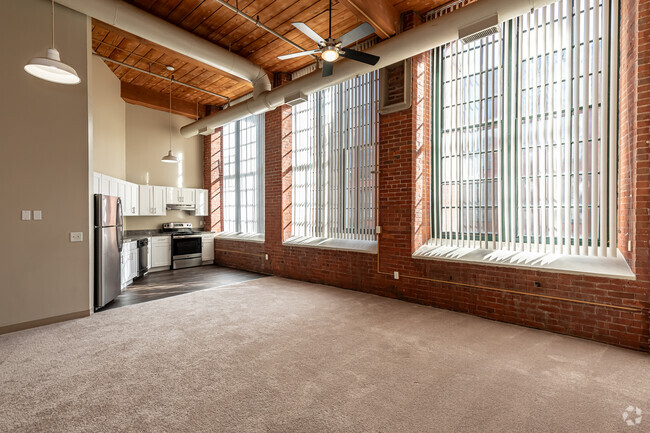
(170, 157)
(51, 68)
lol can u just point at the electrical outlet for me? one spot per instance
(378, 229)
(76, 236)
(396, 275)
(38, 215)
(266, 256)
(26, 215)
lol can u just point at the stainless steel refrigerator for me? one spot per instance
(108, 247)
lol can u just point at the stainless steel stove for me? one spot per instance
(186, 245)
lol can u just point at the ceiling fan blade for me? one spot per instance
(309, 32)
(328, 68)
(359, 56)
(355, 34)
(301, 53)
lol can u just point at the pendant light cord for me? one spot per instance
(52, 23)
(170, 113)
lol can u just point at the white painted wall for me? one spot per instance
(44, 143)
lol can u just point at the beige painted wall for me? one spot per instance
(109, 121)
(147, 140)
(44, 134)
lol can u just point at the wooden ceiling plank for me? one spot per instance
(201, 14)
(379, 13)
(227, 33)
(277, 21)
(158, 101)
(183, 10)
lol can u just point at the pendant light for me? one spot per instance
(51, 68)
(170, 157)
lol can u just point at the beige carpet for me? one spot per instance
(276, 355)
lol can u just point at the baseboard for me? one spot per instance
(42, 322)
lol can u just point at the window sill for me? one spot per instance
(369, 247)
(244, 237)
(610, 267)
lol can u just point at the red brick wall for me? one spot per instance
(544, 300)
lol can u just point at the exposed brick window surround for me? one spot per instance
(604, 309)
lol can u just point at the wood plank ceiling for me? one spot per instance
(214, 22)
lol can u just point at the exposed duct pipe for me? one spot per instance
(408, 44)
(129, 18)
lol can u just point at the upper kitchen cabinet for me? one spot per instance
(152, 200)
(201, 202)
(180, 195)
(131, 200)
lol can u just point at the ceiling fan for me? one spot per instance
(330, 49)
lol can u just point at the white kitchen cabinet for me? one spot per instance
(201, 202)
(152, 200)
(129, 262)
(179, 195)
(131, 203)
(121, 188)
(207, 248)
(113, 186)
(97, 183)
(161, 251)
(105, 187)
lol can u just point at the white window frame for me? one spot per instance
(517, 219)
(243, 177)
(335, 140)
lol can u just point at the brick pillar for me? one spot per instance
(213, 179)
(278, 180)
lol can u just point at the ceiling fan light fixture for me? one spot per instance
(330, 54)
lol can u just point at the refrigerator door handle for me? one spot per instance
(120, 227)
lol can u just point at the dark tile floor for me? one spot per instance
(158, 285)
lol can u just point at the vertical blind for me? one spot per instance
(525, 134)
(334, 156)
(243, 175)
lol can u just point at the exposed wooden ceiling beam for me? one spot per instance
(139, 95)
(379, 13)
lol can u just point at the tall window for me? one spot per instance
(525, 134)
(243, 175)
(334, 159)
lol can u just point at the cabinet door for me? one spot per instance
(134, 196)
(114, 187)
(173, 195)
(207, 247)
(105, 185)
(187, 195)
(123, 267)
(161, 253)
(133, 263)
(121, 191)
(201, 204)
(159, 202)
(97, 183)
(145, 199)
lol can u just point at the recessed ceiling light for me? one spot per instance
(170, 68)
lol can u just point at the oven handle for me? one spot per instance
(185, 236)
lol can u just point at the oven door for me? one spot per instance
(185, 247)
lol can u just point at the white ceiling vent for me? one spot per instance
(295, 98)
(480, 29)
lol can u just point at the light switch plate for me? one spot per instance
(26, 215)
(76, 236)
(38, 215)
(396, 275)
